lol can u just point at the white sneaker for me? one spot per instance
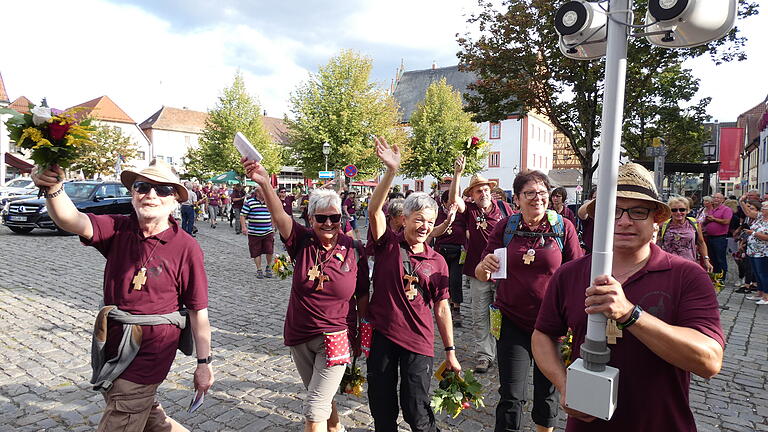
(761, 302)
(753, 298)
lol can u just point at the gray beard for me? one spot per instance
(484, 203)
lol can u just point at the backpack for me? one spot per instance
(558, 228)
(665, 225)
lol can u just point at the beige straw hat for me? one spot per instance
(478, 180)
(157, 172)
(636, 182)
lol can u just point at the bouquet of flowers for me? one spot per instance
(353, 380)
(54, 137)
(566, 347)
(282, 266)
(471, 147)
(455, 394)
(717, 280)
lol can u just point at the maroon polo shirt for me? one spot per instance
(238, 194)
(568, 214)
(350, 205)
(408, 323)
(311, 312)
(519, 296)
(478, 237)
(175, 277)
(653, 394)
(458, 234)
(588, 232)
(288, 204)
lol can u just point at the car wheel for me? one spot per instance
(20, 230)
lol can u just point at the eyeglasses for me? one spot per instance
(335, 218)
(679, 210)
(635, 213)
(160, 189)
(533, 194)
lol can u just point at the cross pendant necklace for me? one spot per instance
(316, 271)
(410, 290)
(612, 332)
(140, 278)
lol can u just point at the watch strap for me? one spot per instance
(633, 317)
(206, 360)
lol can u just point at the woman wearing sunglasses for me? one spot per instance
(681, 235)
(329, 270)
(152, 267)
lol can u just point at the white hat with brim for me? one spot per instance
(636, 182)
(478, 181)
(157, 172)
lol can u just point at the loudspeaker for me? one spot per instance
(689, 23)
(582, 28)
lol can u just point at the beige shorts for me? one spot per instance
(321, 382)
(132, 407)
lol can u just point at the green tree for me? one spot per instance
(106, 146)
(236, 111)
(440, 129)
(520, 68)
(340, 106)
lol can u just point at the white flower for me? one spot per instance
(40, 115)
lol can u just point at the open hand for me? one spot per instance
(390, 156)
(452, 213)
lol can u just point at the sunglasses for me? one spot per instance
(160, 189)
(335, 218)
(679, 210)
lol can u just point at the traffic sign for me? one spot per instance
(326, 174)
(350, 170)
(579, 188)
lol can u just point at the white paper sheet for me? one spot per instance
(246, 148)
(197, 401)
(501, 254)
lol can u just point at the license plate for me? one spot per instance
(17, 218)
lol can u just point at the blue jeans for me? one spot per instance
(187, 218)
(717, 247)
(760, 271)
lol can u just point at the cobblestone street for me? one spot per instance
(50, 287)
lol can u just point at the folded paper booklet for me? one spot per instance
(197, 401)
(246, 148)
(501, 273)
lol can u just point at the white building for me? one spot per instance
(105, 112)
(172, 132)
(517, 142)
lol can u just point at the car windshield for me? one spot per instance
(19, 183)
(79, 190)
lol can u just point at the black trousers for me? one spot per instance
(452, 254)
(514, 353)
(415, 375)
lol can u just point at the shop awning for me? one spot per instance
(18, 163)
(364, 183)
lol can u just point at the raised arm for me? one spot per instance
(256, 172)
(60, 207)
(453, 195)
(440, 229)
(390, 156)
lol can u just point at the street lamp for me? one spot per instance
(709, 148)
(326, 152)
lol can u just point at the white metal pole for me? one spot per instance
(594, 350)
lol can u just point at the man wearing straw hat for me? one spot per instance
(479, 216)
(153, 267)
(663, 318)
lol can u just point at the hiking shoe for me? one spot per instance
(268, 273)
(483, 365)
(259, 274)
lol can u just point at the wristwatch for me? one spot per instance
(633, 317)
(206, 360)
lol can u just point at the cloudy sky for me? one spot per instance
(147, 53)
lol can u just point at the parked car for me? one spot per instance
(24, 215)
(18, 186)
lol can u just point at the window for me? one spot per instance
(419, 186)
(169, 159)
(405, 187)
(141, 155)
(494, 159)
(495, 132)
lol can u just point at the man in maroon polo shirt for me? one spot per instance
(715, 229)
(153, 267)
(665, 306)
(480, 216)
(400, 312)
(286, 200)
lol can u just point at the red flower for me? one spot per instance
(475, 141)
(57, 130)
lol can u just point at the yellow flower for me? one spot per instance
(42, 143)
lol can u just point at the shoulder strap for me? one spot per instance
(693, 222)
(664, 227)
(511, 228)
(502, 208)
(559, 229)
(407, 269)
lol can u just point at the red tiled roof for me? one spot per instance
(277, 129)
(103, 108)
(3, 93)
(21, 104)
(175, 119)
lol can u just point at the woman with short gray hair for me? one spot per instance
(330, 270)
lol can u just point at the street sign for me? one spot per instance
(579, 188)
(326, 174)
(350, 170)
